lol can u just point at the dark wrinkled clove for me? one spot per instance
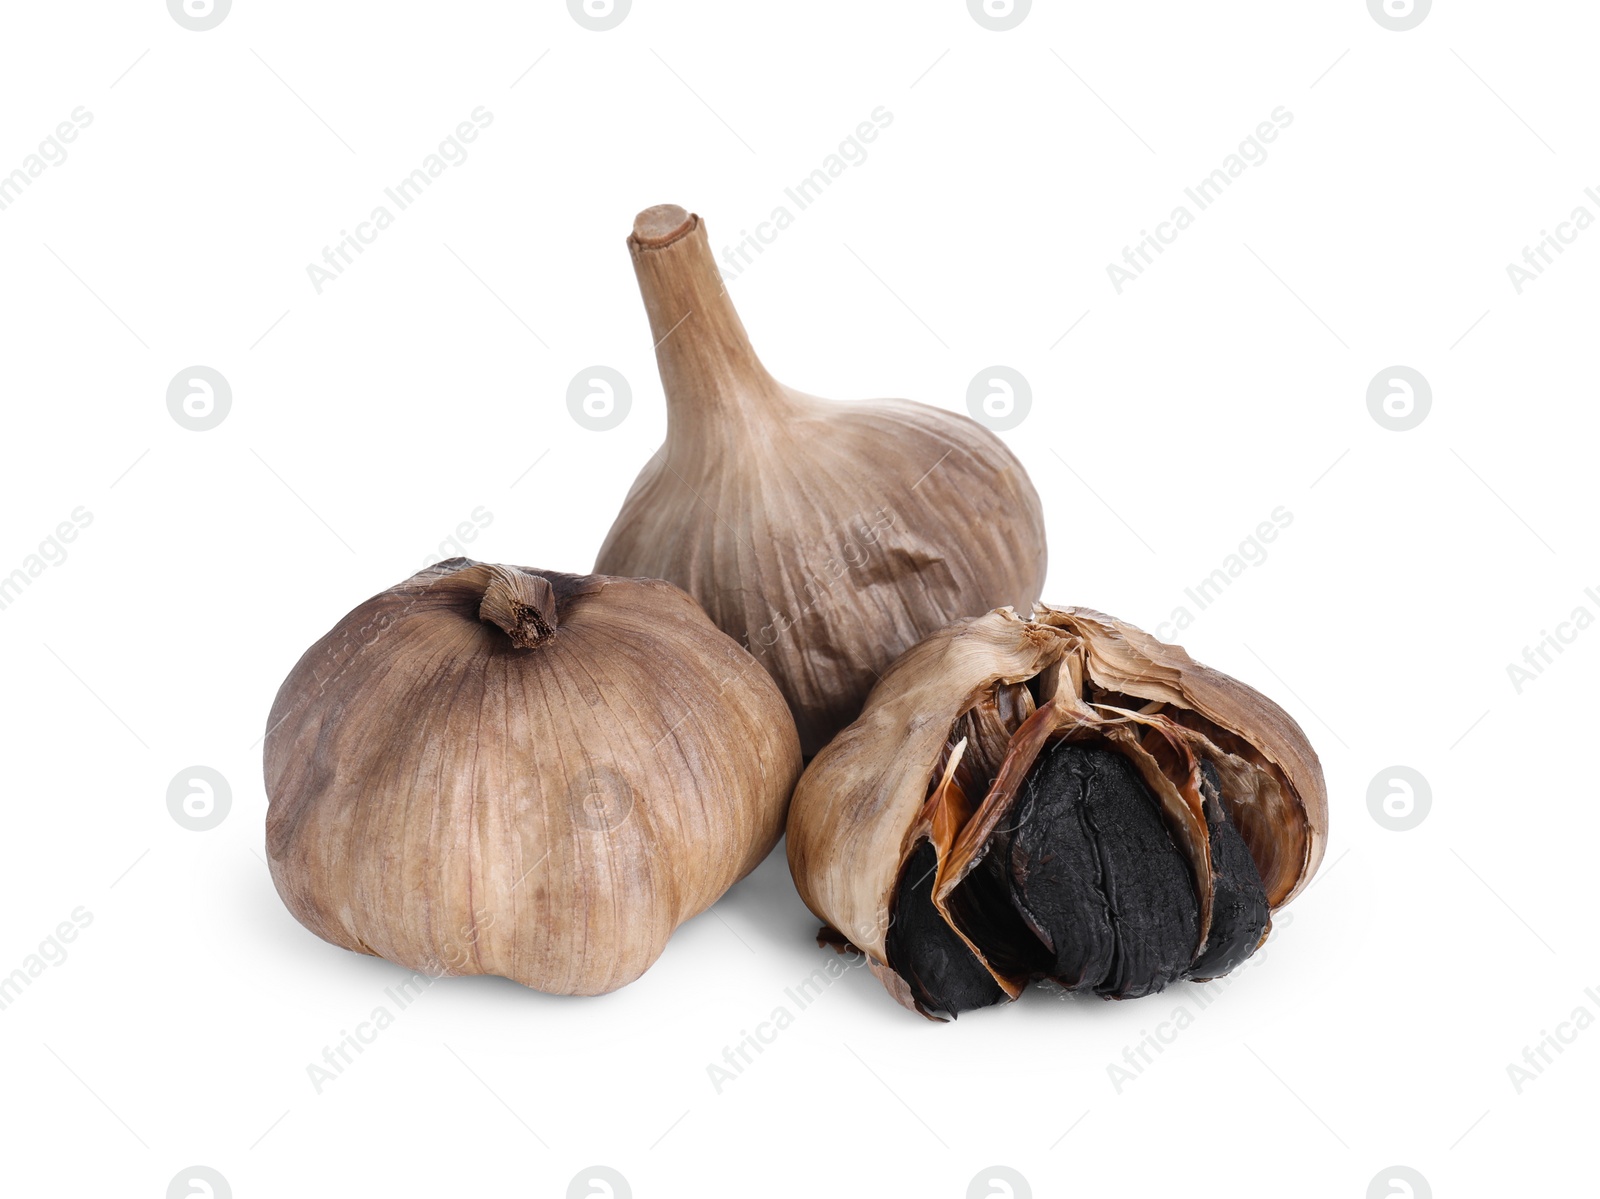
(1106, 899)
(925, 951)
(1240, 914)
(1096, 872)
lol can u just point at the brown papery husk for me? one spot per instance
(852, 821)
(494, 770)
(1284, 817)
(855, 814)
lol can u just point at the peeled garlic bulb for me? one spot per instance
(1059, 797)
(825, 537)
(496, 770)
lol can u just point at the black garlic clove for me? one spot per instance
(1053, 865)
(1098, 876)
(943, 973)
(1239, 914)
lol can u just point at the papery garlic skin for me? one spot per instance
(872, 796)
(826, 537)
(447, 800)
(860, 796)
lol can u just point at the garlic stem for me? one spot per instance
(522, 604)
(709, 371)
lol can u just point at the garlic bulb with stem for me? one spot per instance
(825, 537)
(1063, 797)
(498, 770)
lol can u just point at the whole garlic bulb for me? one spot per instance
(827, 538)
(497, 770)
(1058, 797)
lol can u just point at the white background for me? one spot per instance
(430, 379)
